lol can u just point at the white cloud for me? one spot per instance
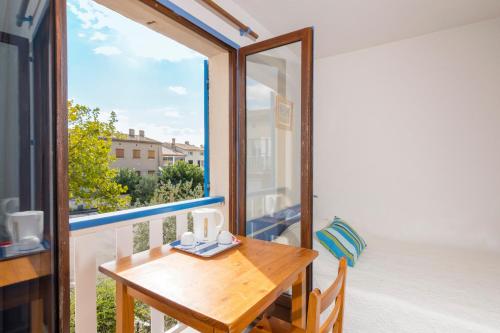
(179, 90)
(172, 113)
(99, 36)
(134, 39)
(107, 50)
(81, 35)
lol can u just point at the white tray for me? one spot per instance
(206, 250)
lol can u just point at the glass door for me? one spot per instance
(28, 273)
(275, 135)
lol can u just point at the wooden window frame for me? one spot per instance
(136, 156)
(151, 156)
(305, 36)
(122, 155)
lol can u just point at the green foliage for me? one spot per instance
(128, 178)
(145, 189)
(181, 172)
(106, 309)
(91, 180)
(140, 188)
(168, 192)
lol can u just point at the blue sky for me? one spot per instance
(150, 81)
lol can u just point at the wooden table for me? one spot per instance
(220, 294)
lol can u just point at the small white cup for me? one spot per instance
(188, 239)
(225, 237)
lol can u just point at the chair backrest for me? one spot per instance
(319, 302)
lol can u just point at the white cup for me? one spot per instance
(225, 237)
(188, 239)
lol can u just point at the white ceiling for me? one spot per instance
(348, 25)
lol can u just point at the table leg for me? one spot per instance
(37, 316)
(124, 310)
(299, 301)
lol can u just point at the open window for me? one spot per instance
(275, 140)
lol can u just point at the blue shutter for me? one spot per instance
(206, 163)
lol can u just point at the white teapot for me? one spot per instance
(205, 224)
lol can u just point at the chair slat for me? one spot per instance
(329, 296)
(332, 317)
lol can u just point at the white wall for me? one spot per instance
(218, 71)
(407, 137)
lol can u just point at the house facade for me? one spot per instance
(136, 151)
(192, 154)
(170, 156)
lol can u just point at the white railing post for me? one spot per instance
(85, 284)
(181, 224)
(124, 241)
(155, 240)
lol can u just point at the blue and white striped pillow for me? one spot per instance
(342, 241)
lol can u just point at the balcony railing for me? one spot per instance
(83, 233)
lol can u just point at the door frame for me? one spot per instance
(306, 37)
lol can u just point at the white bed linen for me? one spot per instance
(408, 287)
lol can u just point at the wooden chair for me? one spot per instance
(318, 302)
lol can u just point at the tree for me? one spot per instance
(128, 178)
(181, 172)
(140, 188)
(91, 179)
(169, 192)
(145, 189)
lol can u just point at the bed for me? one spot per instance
(407, 287)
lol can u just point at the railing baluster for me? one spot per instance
(85, 284)
(156, 239)
(124, 241)
(181, 225)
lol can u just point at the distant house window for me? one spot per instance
(190, 161)
(151, 154)
(136, 153)
(191, 153)
(138, 173)
(199, 164)
(151, 172)
(120, 153)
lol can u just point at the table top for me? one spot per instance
(222, 289)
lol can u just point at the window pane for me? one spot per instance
(273, 144)
(120, 153)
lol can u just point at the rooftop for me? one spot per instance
(184, 146)
(132, 137)
(169, 152)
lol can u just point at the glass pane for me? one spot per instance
(27, 302)
(273, 108)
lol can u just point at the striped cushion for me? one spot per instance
(342, 241)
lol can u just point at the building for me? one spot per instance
(171, 156)
(193, 154)
(137, 152)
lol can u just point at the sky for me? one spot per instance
(151, 82)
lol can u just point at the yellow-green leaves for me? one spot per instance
(91, 179)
